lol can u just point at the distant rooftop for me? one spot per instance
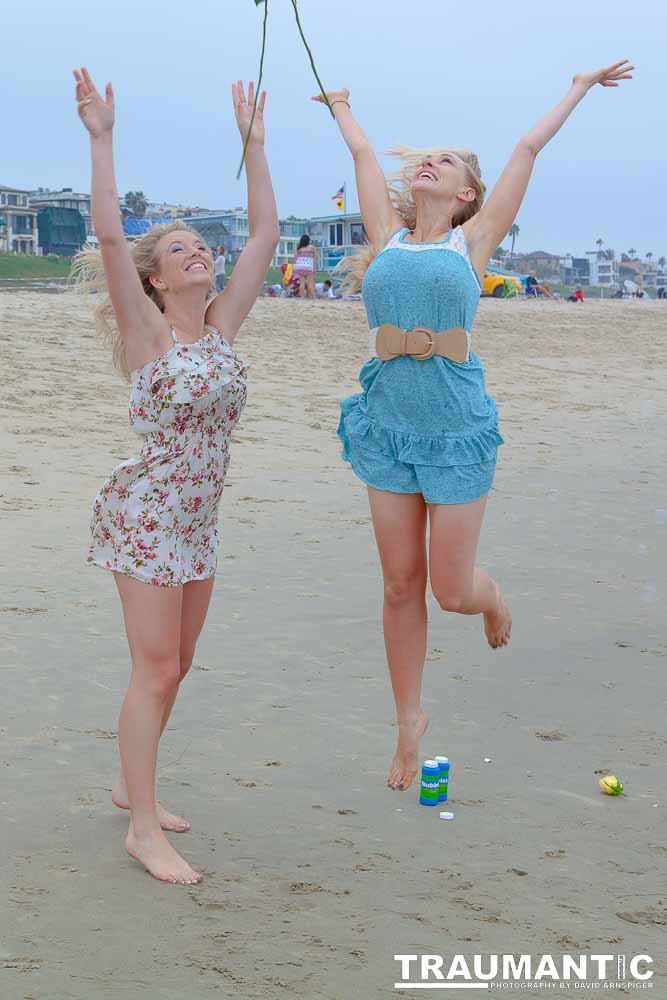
(4, 187)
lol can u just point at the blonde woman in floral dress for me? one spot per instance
(154, 523)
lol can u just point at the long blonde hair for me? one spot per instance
(88, 275)
(353, 268)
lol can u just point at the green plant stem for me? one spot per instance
(310, 56)
(258, 90)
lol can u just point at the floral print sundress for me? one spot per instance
(156, 517)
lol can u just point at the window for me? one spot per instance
(336, 234)
(4, 198)
(357, 234)
(12, 199)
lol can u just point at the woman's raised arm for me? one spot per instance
(490, 226)
(379, 216)
(133, 309)
(232, 305)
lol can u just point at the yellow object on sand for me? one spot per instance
(610, 785)
(287, 276)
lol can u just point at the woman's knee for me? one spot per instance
(452, 598)
(404, 589)
(158, 674)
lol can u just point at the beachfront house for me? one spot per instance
(604, 268)
(18, 222)
(337, 236)
(65, 198)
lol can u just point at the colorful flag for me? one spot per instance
(339, 198)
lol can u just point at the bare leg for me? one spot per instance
(310, 286)
(152, 622)
(457, 584)
(399, 520)
(194, 607)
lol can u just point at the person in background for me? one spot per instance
(220, 269)
(324, 290)
(577, 295)
(661, 292)
(305, 266)
(532, 285)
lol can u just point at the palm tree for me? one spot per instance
(137, 202)
(661, 261)
(649, 255)
(599, 243)
(632, 253)
(514, 232)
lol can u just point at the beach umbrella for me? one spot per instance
(295, 7)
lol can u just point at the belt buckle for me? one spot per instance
(430, 350)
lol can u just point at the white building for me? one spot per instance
(337, 236)
(18, 222)
(604, 268)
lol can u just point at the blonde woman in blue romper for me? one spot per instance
(423, 434)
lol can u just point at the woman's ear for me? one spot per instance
(467, 194)
(157, 282)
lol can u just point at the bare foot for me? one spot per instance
(159, 858)
(167, 820)
(405, 764)
(498, 624)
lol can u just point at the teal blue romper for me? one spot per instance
(424, 427)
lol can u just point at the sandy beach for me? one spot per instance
(315, 874)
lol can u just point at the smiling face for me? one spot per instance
(184, 263)
(443, 176)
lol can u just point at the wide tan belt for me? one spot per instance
(421, 343)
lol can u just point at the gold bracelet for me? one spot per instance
(340, 101)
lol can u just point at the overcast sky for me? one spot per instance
(429, 73)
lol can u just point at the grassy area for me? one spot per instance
(24, 266)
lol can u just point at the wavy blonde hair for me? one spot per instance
(89, 276)
(353, 268)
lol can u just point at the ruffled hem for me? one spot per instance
(356, 429)
(118, 567)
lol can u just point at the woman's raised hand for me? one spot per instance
(606, 77)
(96, 112)
(333, 95)
(243, 112)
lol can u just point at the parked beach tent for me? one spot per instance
(61, 230)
